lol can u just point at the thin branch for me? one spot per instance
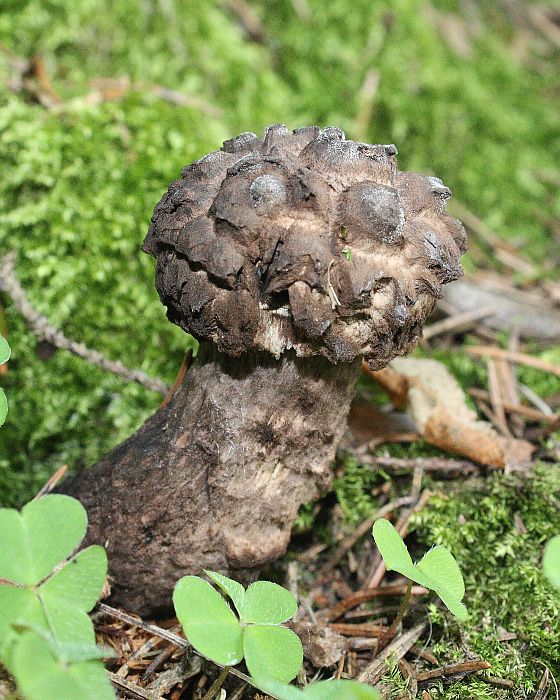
(443, 465)
(519, 358)
(39, 325)
(397, 649)
(52, 482)
(519, 410)
(217, 684)
(180, 377)
(458, 669)
(364, 596)
(457, 322)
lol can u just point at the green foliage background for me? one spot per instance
(79, 182)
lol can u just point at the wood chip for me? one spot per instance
(408, 674)
(437, 404)
(425, 654)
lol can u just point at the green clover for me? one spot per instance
(254, 634)
(551, 561)
(5, 354)
(324, 690)
(38, 587)
(44, 670)
(437, 570)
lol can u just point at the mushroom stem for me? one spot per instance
(215, 478)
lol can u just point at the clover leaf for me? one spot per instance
(263, 602)
(324, 690)
(551, 561)
(254, 634)
(208, 622)
(437, 570)
(38, 587)
(41, 672)
(5, 353)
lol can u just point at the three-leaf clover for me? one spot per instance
(551, 561)
(44, 669)
(437, 570)
(324, 690)
(5, 353)
(254, 634)
(38, 587)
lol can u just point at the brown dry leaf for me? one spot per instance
(368, 423)
(436, 403)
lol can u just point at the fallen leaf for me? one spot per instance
(368, 423)
(437, 405)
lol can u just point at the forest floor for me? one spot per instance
(99, 110)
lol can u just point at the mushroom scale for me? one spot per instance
(304, 240)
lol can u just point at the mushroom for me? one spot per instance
(289, 258)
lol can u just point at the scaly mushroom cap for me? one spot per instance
(305, 241)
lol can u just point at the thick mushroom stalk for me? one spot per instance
(290, 258)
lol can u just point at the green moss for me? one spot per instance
(504, 583)
(505, 588)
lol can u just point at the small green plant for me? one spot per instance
(46, 591)
(551, 561)
(255, 634)
(437, 570)
(47, 670)
(324, 690)
(5, 353)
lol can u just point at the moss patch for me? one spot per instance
(506, 589)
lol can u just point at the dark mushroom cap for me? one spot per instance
(303, 240)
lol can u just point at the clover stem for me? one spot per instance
(12, 584)
(405, 602)
(217, 684)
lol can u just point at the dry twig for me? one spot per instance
(452, 670)
(520, 409)
(131, 688)
(40, 326)
(397, 649)
(517, 357)
(52, 482)
(366, 595)
(449, 467)
(457, 322)
(180, 377)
